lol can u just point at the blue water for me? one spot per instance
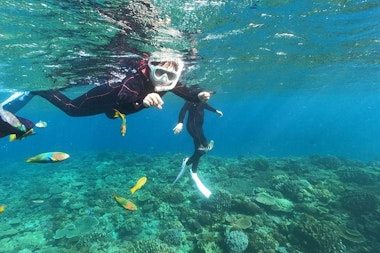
(293, 78)
(269, 125)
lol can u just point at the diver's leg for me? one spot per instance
(17, 101)
(60, 101)
(95, 101)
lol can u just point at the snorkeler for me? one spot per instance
(143, 85)
(194, 126)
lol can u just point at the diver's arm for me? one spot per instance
(212, 109)
(137, 91)
(182, 113)
(191, 93)
(181, 117)
(209, 107)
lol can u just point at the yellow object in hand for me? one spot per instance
(123, 126)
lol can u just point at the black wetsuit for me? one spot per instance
(194, 126)
(7, 129)
(126, 95)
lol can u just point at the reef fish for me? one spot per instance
(2, 208)
(139, 184)
(127, 204)
(49, 157)
(123, 126)
(41, 124)
(38, 201)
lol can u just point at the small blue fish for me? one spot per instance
(49, 157)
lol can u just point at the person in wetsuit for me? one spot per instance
(141, 87)
(194, 126)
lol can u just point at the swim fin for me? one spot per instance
(201, 187)
(183, 169)
(208, 147)
(17, 101)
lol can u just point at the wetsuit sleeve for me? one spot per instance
(182, 113)
(209, 107)
(129, 92)
(133, 91)
(186, 92)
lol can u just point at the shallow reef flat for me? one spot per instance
(314, 204)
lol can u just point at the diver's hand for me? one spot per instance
(153, 99)
(220, 113)
(178, 128)
(204, 96)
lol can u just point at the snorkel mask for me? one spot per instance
(164, 71)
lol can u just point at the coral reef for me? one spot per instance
(208, 241)
(327, 162)
(350, 234)
(239, 222)
(172, 237)
(149, 246)
(315, 236)
(236, 241)
(354, 175)
(360, 203)
(80, 227)
(291, 204)
(220, 201)
(256, 164)
(171, 196)
(275, 204)
(245, 206)
(262, 241)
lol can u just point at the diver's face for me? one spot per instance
(164, 75)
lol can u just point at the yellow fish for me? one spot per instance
(49, 157)
(123, 126)
(2, 208)
(139, 184)
(127, 204)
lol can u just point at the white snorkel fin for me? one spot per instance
(16, 101)
(182, 171)
(201, 187)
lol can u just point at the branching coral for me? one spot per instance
(220, 201)
(360, 202)
(236, 241)
(172, 237)
(316, 237)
